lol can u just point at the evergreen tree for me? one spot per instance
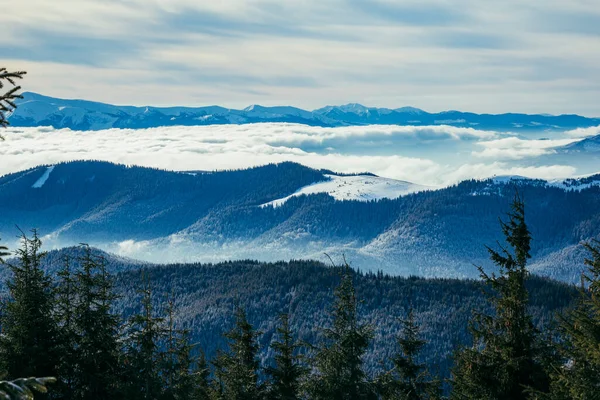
(7, 99)
(28, 344)
(179, 382)
(506, 357)
(143, 356)
(201, 375)
(289, 371)
(578, 376)
(65, 315)
(3, 253)
(338, 363)
(409, 380)
(97, 328)
(237, 370)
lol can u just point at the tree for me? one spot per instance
(506, 357)
(578, 376)
(201, 375)
(28, 344)
(176, 362)
(288, 372)
(409, 380)
(143, 355)
(237, 370)
(97, 329)
(7, 99)
(65, 315)
(23, 388)
(3, 253)
(338, 363)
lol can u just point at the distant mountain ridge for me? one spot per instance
(39, 110)
(164, 216)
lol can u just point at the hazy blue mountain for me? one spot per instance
(38, 110)
(159, 216)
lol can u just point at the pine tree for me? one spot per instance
(179, 382)
(578, 377)
(338, 363)
(143, 354)
(506, 357)
(288, 372)
(237, 370)
(29, 340)
(3, 253)
(7, 99)
(65, 315)
(409, 380)
(201, 376)
(97, 328)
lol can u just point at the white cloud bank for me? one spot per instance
(239, 146)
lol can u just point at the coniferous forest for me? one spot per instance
(107, 335)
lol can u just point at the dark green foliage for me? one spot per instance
(179, 383)
(143, 357)
(28, 344)
(289, 370)
(23, 388)
(578, 375)
(66, 301)
(506, 357)
(409, 380)
(201, 378)
(237, 369)
(339, 360)
(3, 253)
(7, 98)
(97, 328)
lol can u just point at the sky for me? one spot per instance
(428, 155)
(539, 56)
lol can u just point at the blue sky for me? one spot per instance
(482, 56)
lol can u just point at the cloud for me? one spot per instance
(514, 148)
(432, 156)
(584, 132)
(431, 54)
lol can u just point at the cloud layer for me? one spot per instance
(433, 156)
(433, 54)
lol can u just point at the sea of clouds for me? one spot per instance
(429, 155)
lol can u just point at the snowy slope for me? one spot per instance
(40, 182)
(359, 187)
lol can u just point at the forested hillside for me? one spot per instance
(205, 295)
(164, 216)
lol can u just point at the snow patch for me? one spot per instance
(359, 187)
(40, 182)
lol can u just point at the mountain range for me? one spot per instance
(289, 211)
(38, 110)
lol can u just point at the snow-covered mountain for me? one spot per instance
(161, 216)
(356, 187)
(38, 110)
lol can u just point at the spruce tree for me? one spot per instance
(578, 376)
(7, 98)
(97, 328)
(237, 370)
(288, 372)
(65, 315)
(143, 356)
(338, 363)
(201, 376)
(506, 358)
(3, 253)
(179, 383)
(29, 340)
(409, 380)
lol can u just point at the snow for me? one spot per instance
(359, 187)
(40, 182)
